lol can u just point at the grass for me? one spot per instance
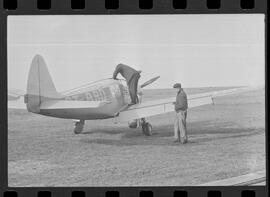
(225, 140)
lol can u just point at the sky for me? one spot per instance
(195, 50)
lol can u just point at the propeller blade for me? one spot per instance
(149, 81)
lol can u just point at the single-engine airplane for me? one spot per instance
(102, 99)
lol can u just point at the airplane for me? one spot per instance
(103, 99)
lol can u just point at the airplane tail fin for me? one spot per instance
(40, 86)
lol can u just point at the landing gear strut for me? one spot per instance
(146, 127)
(78, 127)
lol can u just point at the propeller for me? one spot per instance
(149, 81)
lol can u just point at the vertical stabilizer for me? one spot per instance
(40, 86)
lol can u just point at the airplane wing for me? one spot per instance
(161, 106)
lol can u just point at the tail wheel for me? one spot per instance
(147, 129)
(78, 128)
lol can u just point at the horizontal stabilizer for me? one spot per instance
(14, 94)
(66, 104)
(17, 103)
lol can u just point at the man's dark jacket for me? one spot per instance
(126, 71)
(181, 102)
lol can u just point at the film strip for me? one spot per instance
(255, 185)
(124, 7)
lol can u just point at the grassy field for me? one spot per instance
(226, 139)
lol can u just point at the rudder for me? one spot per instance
(40, 86)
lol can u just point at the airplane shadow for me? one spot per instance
(163, 135)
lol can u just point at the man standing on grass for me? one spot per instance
(180, 106)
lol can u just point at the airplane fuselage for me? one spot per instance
(115, 92)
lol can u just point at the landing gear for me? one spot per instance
(146, 127)
(134, 124)
(78, 126)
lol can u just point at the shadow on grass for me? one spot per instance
(199, 133)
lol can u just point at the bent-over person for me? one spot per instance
(132, 77)
(180, 106)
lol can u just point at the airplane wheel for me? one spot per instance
(78, 127)
(133, 125)
(147, 129)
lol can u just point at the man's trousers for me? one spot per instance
(133, 86)
(180, 127)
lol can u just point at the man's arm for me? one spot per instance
(116, 71)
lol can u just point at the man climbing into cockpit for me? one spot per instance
(132, 77)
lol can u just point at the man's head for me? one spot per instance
(177, 86)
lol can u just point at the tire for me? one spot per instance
(78, 128)
(133, 125)
(77, 131)
(147, 129)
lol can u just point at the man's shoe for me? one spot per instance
(176, 141)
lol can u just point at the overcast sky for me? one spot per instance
(196, 50)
